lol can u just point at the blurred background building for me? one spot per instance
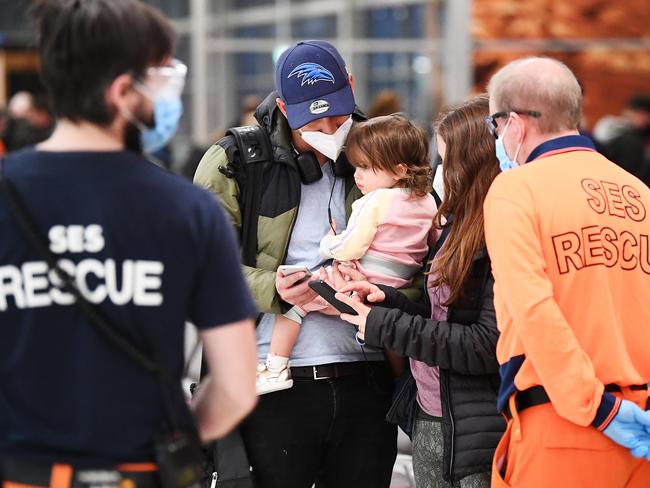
(392, 45)
(415, 54)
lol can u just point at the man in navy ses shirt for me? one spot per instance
(147, 248)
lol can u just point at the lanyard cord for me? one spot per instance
(329, 203)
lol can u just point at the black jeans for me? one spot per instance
(329, 432)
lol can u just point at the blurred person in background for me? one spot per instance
(195, 154)
(20, 104)
(584, 121)
(568, 235)
(30, 120)
(448, 404)
(3, 124)
(137, 246)
(247, 115)
(386, 102)
(608, 128)
(631, 149)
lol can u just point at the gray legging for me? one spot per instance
(427, 457)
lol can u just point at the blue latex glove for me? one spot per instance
(630, 428)
(641, 452)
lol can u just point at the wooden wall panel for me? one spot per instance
(609, 76)
(503, 19)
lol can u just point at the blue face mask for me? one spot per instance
(505, 163)
(166, 115)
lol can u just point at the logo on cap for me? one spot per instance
(311, 73)
(319, 107)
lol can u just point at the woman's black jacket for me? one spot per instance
(464, 348)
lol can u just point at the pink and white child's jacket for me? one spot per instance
(387, 236)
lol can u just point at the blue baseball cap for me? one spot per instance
(311, 79)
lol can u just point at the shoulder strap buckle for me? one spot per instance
(253, 143)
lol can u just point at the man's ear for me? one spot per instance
(351, 80)
(519, 126)
(281, 106)
(119, 93)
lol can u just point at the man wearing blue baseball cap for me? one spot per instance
(322, 420)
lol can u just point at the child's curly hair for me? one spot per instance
(387, 141)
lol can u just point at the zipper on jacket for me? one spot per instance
(213, 484)
(453, 428)
(293, 225)
(293, 221)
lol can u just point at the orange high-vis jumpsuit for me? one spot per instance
(569, 238)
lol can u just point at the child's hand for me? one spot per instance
(325, 275)
(349, 272)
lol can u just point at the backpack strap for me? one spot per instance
(436, 164)
(436, 198)
(248, 160)
(256, 156)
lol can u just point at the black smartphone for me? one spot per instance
(327, 292)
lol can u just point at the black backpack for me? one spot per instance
(227, 464)
(254, 152)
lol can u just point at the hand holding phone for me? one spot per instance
(289, 269)
(327, 292)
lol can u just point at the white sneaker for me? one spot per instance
(269, 381)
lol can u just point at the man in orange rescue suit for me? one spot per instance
(568, 235)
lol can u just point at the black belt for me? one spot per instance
(332, 370)
(536, 395)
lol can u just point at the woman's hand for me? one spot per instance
(361, 309)
(364, 291)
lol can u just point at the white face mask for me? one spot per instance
(329, 145)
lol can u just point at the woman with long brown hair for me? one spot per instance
(449, 402)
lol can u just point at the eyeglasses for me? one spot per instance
(165, 81)
(491, 120)
(175, 68)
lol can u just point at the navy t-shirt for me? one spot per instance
(149, 249)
